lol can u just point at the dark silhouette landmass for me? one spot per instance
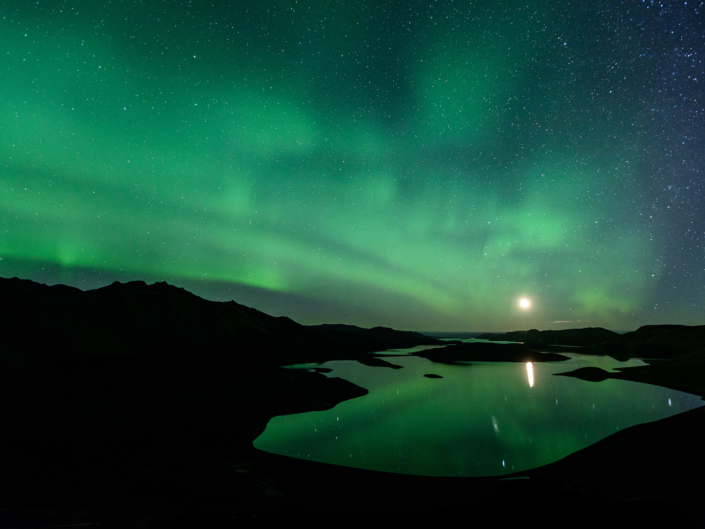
(653, 341)
(137, 405)
(593, 374)
(572, 337)
(431, 375)
(370, 340)
(450, 336)
(650, 341)
(682, 373)
(375, 361)
(134, 319)
(487, 352)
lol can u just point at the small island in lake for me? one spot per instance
(488, 352)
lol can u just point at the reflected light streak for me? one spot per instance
(530, 373)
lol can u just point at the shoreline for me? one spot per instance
(137, 405)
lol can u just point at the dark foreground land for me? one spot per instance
(137, 405)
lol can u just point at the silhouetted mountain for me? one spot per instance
(132, 318)
(136, 387)
(573, 337)
(451, 335)
(374, 339)
(137, 405)
(656, 341)
(649, 341)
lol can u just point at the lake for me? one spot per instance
(480, 419)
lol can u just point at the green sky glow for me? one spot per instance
(415, 167)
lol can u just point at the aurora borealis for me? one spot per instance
(419, 165)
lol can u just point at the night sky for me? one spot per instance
(419, 165)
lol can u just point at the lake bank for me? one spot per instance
(479, 418)
(205, 470)
(138, 405)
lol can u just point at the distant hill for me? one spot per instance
(655, 341)
(573, 337)
(375, 339)
(451, 335)
(649, 341)
(40, 321)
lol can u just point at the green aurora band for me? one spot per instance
(434, 172)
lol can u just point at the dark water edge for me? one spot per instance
(483, 419)
(183, 475)
(137, 406)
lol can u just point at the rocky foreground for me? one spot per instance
(136, 406)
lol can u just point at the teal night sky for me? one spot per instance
(419, 165)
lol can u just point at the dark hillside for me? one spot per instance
(374, 339)
(659, 341)
(649, 341)
(137, 405)
(132, 318)
(574, 337)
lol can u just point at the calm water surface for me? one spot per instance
(480, 419)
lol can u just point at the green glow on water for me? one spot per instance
(481, 419)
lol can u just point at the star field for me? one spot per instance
(420, 165)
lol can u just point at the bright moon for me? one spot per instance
(524, 303)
